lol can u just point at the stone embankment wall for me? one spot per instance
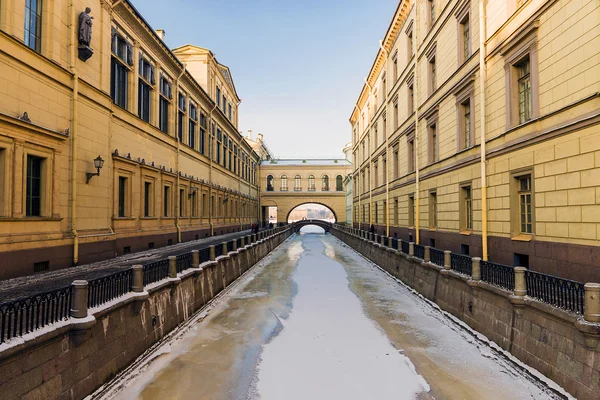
(71, 359)
(561, 345)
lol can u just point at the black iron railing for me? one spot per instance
(461, 263)
(104, 289)
(156, 271)
(204, 254)
(20, 317)
(184, 261)
(562, 293)
(404, 247)
(437, 256)
(218, 250)
(386, 241)
(230, 245)
(394, 244)
(498, 274)
(419, 251)
(239, 243)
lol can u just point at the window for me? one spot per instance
(395, 212)
(395, 160)
(466, 208)
(395, 66)
(122, 55)
(325, 183)
(202, 134)
(33, 196)
(269, 183)
(146, 81)
(339, 183)
(181, 104)
(384, 127)
(375, 135)
(384, 171)
(395, 113)
(229, 111)
(218, 97)
(181, 202)
(409, 40)
(167, 201)
(411, 153)
(410, 99)
(433, 221)
(122, 203)
(311, 183)
(432, 76)
(376, 216)
(224, 104)
(192, 125)
(411, 210)
(525, 209)
(465, 39)
(433, 142)
(375, 175)
(431, 7)
(297, 183)
(284, 183)
(524, 83)
(148, 196)
(165, 100)
(33, 24)
(466, 109)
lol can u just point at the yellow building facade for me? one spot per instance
(289, 183)
(524, 76)
(164, 123)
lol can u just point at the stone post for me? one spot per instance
(427, 254)
(411, 249)
(447, 259)
(195, 259)
(520, 286)
(234, 244)
(253, 238)
(591, 302)
(211, 252)
(476, 268)
(137, 281)
(79, 299)
(224, 244)
(172, 267)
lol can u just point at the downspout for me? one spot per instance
(210, 159)
(416, 141)
(370, 165)
(482, 76)
(239, 172)
(356, 162)
(73, 134)
(176, 108)
(387, 180)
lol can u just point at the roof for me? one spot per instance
(315, 161)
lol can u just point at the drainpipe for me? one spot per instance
(416, 141)
(358, 174)
(210, 159)
(482, 76)
(387, 180)
(370, 165)
(73, 68)
(176, 108)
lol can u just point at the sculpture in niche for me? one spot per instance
(85, 34)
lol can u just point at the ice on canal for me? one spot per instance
(315, 320)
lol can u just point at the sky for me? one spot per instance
(298, 66)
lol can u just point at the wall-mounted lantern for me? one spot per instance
(226, 199)
(98, 163)
(192, 192)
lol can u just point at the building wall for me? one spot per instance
(72, 119)
(555, 146)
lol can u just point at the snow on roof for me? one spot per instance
(299, 161)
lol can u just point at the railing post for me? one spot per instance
(411, 249)
(211, 252)
(137, 281)
(224, 245)
(476, 268)
(253, 238)
(234, 244)
(520, 286)
(79, 299)
(426, 253)
(591, 302)
(195, 259)
(447, 259)
(172, 267)
(242, 241)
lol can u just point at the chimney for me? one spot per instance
(259, 137)
(249, 134)
(161, 34)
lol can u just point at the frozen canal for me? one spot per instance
(315, 320)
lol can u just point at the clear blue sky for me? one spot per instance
(297, 65)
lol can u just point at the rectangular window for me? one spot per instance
(375, 136)
(395, 162)
(148, 195)
(122, 196)
(385, 171)
(33, 197)
(431, 6)
(229, 111)
(411, 154)
(525, 210)
(466, 107)
(218, 97)
(411, 210)
(395, 212)
(202, 134)
(167, 201)
(180, 122)
(144, 100)
(181, 202)
(433, 221)
(166, 94)
(524, 82)
(432, 76)
(433, 143)
(192, 126)
(409, 44)
(466, 39)
(375, 175)
(410, 100)
(467, 209)
(395, 114)
(118, 84)
(33, 24)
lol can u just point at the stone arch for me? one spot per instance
(287, 217)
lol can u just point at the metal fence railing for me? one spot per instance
(419, 251)
(562, 293)
(204, 254)
(437, 256)
(184, 261)
(461, 263)
(394, 244)
(498, 274)
(107, 288)
(218, 250)
(156, 271)
(230, 245)
(405, 246)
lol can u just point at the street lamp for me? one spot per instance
(98, 163)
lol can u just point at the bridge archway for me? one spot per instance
(316, 222)
(299, 206)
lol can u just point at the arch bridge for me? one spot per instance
(318, 222)
(289, 183)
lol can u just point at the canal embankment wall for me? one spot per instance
(562, 345)
(74, 356)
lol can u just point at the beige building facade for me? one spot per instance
(477, 131)
(164, 123)
(287, 184)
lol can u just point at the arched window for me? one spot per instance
(325, 183)
(269, 183)
(339, 183)
(284, 186)
(311, 183)
(297, 183)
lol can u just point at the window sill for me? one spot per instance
(168, 218)
(36, 219)
(123, 218)
(466, 233)
(522, 238)
(148, 218)
(432, 229)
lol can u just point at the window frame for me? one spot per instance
(411, 210)
(466, 208)
(47, 185)
(433, 209)
(37, 36)
(464, 94)
(311, 183)
(516, 193)
(433, 136)
(283, 183)
(297, 183)
(463, 18)
(165, 97)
